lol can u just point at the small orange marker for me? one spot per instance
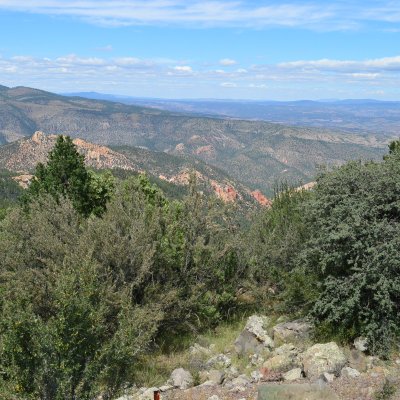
(157, 395)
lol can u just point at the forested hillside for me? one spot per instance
(257, 153)
(98, 273)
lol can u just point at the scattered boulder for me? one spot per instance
(293, 331)
(212, 375)
(361, 344)
(293, 374)
(348, 372)
(254, 338)
(197, 349)
(220, 361)
(284, 359)
(256, 359)
(181, 379)
(327, 377)
(241, 380)
(256, 376)
(231, 373)
(358, 360)
(304, 391)
(322, 358)
(213, 397)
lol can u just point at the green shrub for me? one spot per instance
(354, 220)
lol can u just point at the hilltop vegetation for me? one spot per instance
(86, 292)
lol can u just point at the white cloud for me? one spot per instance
(366, 75)
(183, 68)
(161, 77)
(238, 13)
(227, 62)
(379, 64)
(229, 84)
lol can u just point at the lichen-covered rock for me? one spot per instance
(284, 359)
(220, 361)
(293, 375)
(293, 331)
(254, 338)
(361, 344)
(181, 379)
(322, 358)
(348, 372)
(212, 375)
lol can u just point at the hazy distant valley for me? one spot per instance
(359, 116)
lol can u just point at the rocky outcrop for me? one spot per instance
(261, 199)
(254, 337)
(292, 331)
(29, 152)
(181, 379)
(322, 358)
(226, 193)
(284, 359)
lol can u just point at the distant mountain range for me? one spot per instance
(363, 116)
(256, 153)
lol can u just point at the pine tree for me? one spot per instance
(65, 175)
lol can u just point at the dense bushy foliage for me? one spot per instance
(354, 219)
(83, 298)
(91, 281)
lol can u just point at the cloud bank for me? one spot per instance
(178, 78)
(336, 15)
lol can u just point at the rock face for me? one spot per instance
(295, 392)
(322, 358)
(34, 150)
(292, 331)
(263, 200)
(254, 338)
(181, 379)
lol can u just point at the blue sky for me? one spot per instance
(254, 49)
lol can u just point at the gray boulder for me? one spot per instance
(293, 331)
(361, 344)
(212, 375)
(254, 339)
(220, 361)
(284, 359)
(181, 379)
(293, 374)
(348, 372)
(292, 391)
(322, 358)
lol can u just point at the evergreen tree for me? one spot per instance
(65, 175)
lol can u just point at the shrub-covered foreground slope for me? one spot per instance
(96, 275)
